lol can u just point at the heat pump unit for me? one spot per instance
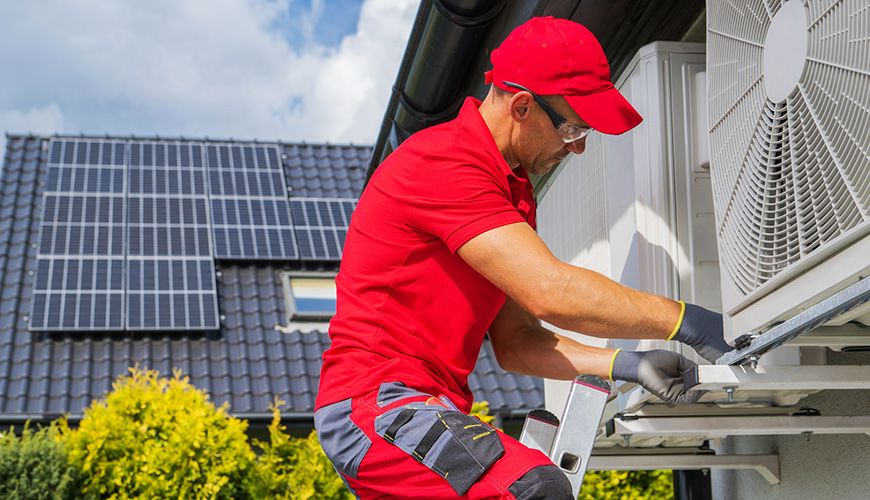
(789, 122)
(638, 207)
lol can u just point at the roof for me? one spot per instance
(247, 363)
(325, 171)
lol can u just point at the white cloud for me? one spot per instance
(358, 85)
(197, 68)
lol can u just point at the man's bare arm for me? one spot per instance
(522, 345)
(515, 259)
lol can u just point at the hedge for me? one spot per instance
(294, 468)
(627, 485)
(152, 437)
(34, 466)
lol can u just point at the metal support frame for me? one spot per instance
(766, 465)
(828, 309)
(711, 427)
(772, 378)
(850, 335)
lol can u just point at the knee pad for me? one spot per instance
(544, 482)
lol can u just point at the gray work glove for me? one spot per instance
(660, 372)
(702, 330)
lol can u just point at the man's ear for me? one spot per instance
(520, 105)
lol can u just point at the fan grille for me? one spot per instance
(790, 177)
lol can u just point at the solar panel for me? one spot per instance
(249, 207)
(321, 226)
(79, 279)
(75, 224)
(171, 294)
(129, 230)
(170, 269)
(78, 294)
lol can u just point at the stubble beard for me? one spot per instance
(544, 167)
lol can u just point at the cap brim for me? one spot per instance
(606, 111)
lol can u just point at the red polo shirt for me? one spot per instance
(409, 308)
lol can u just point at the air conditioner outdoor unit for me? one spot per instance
(782, 92)
(789, 122)
(638, 207)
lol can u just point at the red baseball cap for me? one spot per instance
(552, 56)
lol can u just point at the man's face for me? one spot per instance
(541, 147)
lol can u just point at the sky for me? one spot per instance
(294, 70)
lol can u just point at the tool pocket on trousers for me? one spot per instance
(343, 442)
(456, 446)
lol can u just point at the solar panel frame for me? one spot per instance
(248, 200)
(79, 279)
(168, 226)
(321, 226)
(171, 294)
(113, 207)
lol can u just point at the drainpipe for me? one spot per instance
(443, 42)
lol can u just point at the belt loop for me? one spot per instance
(402, 419)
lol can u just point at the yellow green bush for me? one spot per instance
(152, 437)
(294, 468)
(480, 409)
(627, 485)
(158, 438)
(34, 466)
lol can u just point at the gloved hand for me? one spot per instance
(702, 330)
(658, 371)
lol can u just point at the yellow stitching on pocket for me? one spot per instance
(470, 426)
(442, 420)
(480, 435)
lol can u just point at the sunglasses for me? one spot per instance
(568, 132)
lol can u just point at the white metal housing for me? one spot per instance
(789, 109)
(638, 207)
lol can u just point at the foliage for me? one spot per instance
(153, 437)
(627, 485)
(298, 469)
(294, 468)
(480, 409)
(157, 438)
(34, 466)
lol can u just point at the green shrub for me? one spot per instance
(157, 438)
(627, 485)
(34, 466)
(480, 409)
(294, 468)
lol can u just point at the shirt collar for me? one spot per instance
(518, 179)
(470, 117)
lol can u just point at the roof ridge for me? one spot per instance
(182, 138)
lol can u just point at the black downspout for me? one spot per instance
(443, 42)
(692, 485)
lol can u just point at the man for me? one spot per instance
(442, 249)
